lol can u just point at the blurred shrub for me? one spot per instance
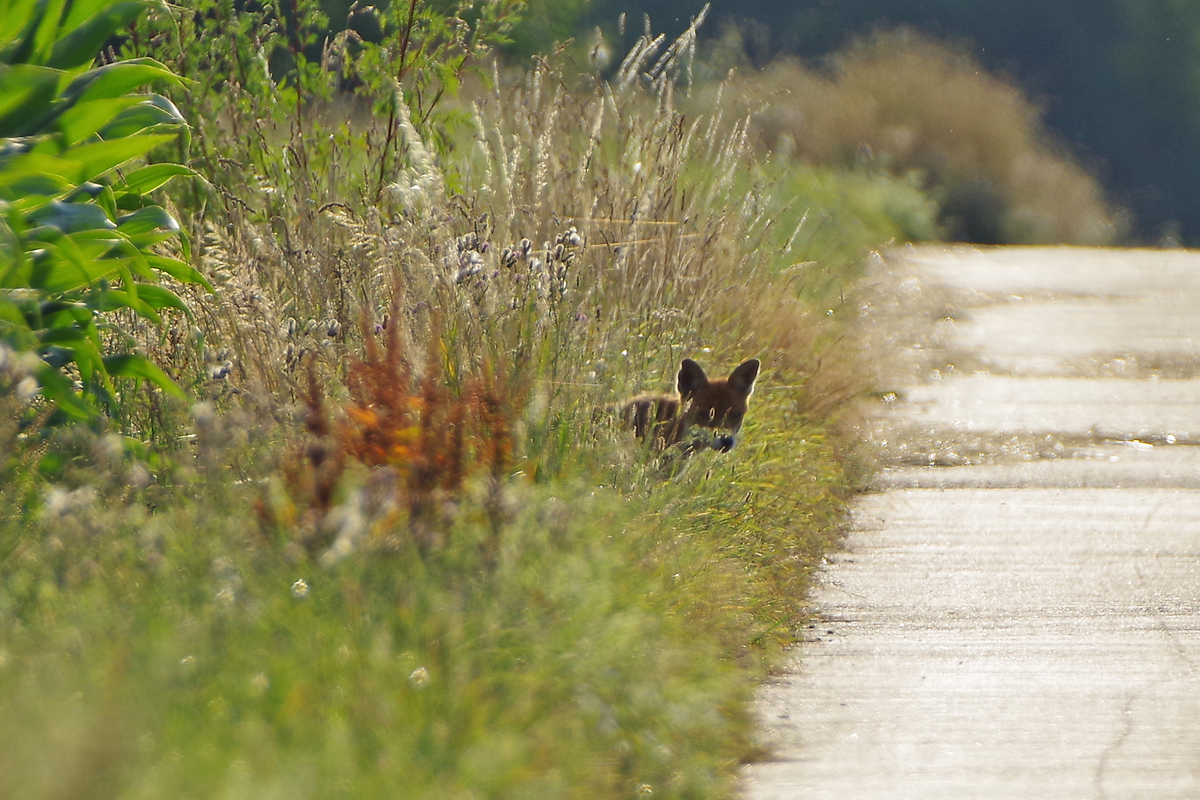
(908, 103)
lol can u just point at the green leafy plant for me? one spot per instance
(278, 68)
(78, 237)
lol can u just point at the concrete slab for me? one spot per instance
(1026, 624)
(1110, 407)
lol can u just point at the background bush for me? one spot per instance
(906, 104)
(1117, 79)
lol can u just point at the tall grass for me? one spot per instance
(397, 549)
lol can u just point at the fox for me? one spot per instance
(716, 408)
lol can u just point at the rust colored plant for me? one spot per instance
(423, 439)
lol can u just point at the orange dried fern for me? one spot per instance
(429, 439)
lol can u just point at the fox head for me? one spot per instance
(717, 406)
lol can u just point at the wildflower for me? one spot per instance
(470, 265)
(204, 414)
(300, 589)
(110, 447)
(28, 388)
(60, 502)
(600, 55)
(419, 678)
(225, 597)
(138, 476)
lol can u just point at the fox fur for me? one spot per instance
(701, 414)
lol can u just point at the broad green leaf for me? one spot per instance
(107, 200)
(75, 345)
(127, 280)
(100, 157)
(72, 217)
(58, 357)
(180, 271)
(64, 312)
(119, 79)
(39, 34)
(28, 189)
(20, 167)
(134, 258)
(114, 299)
(158, 297)
(154, 111)
(19, 14)
(13, 325)
(79, 11)
(147, 219)
(57, 388)
(64, 336)
(83, 119)
(144, 241)
(150, 298)
(69, 267)
(90, 361)
(147, 179)
(79, 47)
(17, 274)
(58, 275)
(85, 192)
(26, 95)
(70, 258)
(131, 365)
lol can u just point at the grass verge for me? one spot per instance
(394, 549)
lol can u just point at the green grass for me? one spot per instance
(612, 643)
(445, 574)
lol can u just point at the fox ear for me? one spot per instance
(742, 379)
(690, 378)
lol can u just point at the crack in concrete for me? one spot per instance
(1127, 710)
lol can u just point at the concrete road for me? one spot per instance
(1016, 613)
